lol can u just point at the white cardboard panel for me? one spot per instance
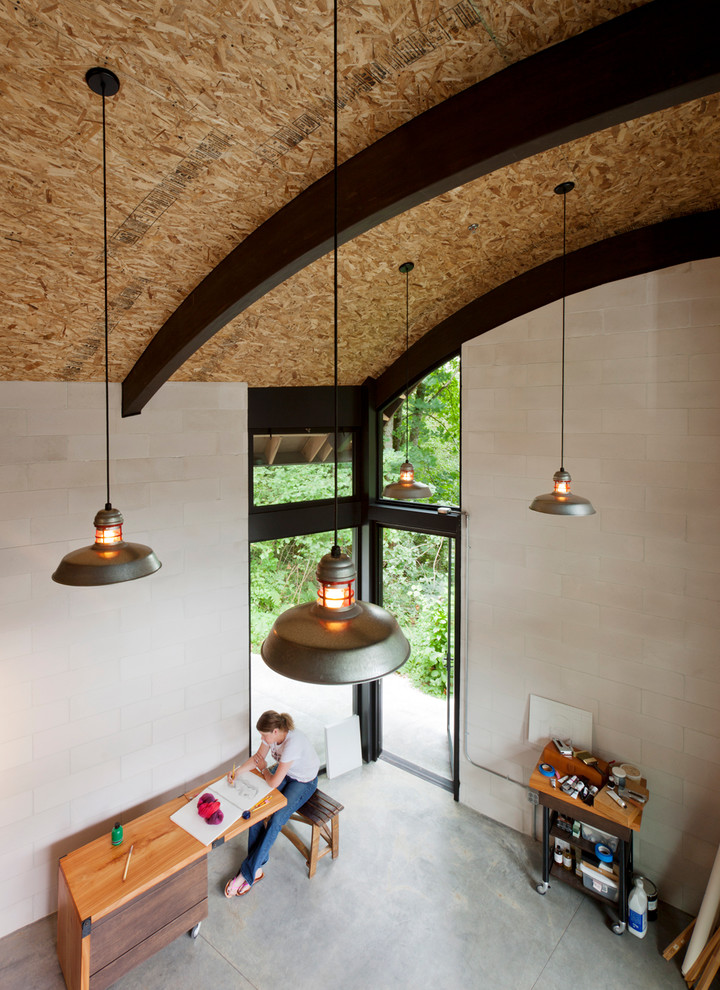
(342, 746)
(551, 719)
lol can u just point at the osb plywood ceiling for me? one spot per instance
(224, 116)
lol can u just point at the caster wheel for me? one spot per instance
(195, 931)
(542, 888)
(618, 928)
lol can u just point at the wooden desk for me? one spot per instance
(605, 815)
(105, 926)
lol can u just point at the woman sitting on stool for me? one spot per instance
(296, 775)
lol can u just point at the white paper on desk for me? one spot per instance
(248, 790)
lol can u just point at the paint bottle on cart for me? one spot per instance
(637, 909)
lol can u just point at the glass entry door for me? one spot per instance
(418, 708)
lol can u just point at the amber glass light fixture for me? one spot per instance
(561, 501)
(335, 639)
(110, 559)
(407, 487)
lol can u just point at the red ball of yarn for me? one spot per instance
(207, 808)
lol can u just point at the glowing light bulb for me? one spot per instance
(108, 536)
(336, 595)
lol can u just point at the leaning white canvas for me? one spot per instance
(342, 746)
(554, 720)
(248, 790)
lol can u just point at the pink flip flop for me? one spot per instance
(238, 885)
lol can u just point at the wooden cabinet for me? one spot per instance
(107, 925)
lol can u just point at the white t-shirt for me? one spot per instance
(297, 750)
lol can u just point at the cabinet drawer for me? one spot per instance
(152, 912)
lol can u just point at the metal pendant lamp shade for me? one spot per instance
(335, 639)
(560, 501)
(407, 487)
(110, 560)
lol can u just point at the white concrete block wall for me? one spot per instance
(113, 697)
(616, 613)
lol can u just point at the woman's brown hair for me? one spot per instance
(271, 720)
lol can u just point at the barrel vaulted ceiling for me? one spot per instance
(456, 121)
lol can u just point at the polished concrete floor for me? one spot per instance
(425, 893)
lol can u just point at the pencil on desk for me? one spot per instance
(127, 864)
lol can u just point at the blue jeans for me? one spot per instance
(260, 838)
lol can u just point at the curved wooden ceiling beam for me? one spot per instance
(645, 60)
(647, 249)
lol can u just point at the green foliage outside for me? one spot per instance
(282, 574)
(432, 428)
(415, 565)
(281, 484)
(415, 572)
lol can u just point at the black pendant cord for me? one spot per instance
(335, 549)
(407, 364)
(562, 386)
(108, 504)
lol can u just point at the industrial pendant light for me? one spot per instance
(335, 639)
(560, 501)
(407, 487)
(110, 559)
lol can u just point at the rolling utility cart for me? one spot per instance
(603, 815)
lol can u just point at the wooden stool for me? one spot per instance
(322, 814)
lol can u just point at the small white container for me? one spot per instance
(637, 909)
(620, 776)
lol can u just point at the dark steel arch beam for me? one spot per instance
(647, 249)
(648, 59)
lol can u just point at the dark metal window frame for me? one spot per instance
(291, 410)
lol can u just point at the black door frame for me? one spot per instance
(417, 519)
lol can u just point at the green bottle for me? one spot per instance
(117, 834)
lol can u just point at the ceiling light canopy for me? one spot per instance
(560, 501)
(110, 560)
(335, 639)
(407, 487)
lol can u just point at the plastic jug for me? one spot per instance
(637, 909)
